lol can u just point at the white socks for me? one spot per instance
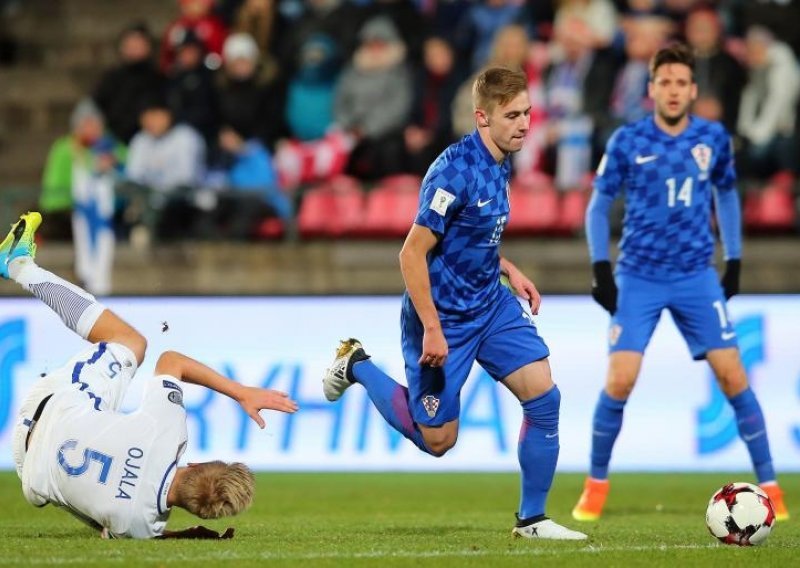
(78, 309)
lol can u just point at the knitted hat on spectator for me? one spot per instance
(86, 108)
(240, 46)
(379, 28)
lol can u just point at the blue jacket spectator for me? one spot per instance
(312, 90)
(250, 169)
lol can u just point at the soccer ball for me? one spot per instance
(741, 514)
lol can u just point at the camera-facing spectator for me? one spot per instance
(122, 89)
(768, 108)
(599, 17)
(577, 92)
(643, 38)
(85, 148)
(340, 19)
(477, 28)
(431, 128)
(247, 185)
(373, 100)
(197, 17)
(165, 156)
(312, 88)
(190, 88)
(250, 100)
(720, 78)
(78, 194)
(168, 161)
(262, 20)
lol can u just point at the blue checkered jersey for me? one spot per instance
(464, 200)
(668, 184)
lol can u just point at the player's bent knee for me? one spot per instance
(439, 443)
(732, 384)
(439, 449)
(619, 385)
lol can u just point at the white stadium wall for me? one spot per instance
(676, 419)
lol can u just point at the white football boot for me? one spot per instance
(339, 376)
(547, 529)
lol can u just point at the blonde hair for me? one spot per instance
(497, 86)
(216, 489)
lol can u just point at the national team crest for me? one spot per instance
(613, 334)
(702, 155)
(431, 404)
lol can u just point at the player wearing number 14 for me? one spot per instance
(671, 167)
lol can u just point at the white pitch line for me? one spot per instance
(401, 554)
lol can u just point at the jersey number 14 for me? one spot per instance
(683, 194)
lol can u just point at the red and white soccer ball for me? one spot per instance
(741, 514)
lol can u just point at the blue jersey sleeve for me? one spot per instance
(441, 197)
(728, 209)
(597, 227)
(613, 168)
(723, 176)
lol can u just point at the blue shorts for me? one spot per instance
(696, 303)
(502, 340)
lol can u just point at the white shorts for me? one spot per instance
(102, 373)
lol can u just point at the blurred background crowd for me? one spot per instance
(286, 119)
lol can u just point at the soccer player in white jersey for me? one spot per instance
(118, 472)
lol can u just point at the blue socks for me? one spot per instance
(391, 400)
(753, 431)
(538, 451)
(605, 428)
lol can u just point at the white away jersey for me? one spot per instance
(107, 468)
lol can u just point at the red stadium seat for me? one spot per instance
(390, 211)
(777, 208)
(331, 210)
(751, 209)
(409, 182)
(573, 211)
(772, 208)
(533, 212)
(270, 229)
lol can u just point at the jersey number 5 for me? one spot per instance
(89, 455)
(683, 194)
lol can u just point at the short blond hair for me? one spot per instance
(216, 489)
(496, 86)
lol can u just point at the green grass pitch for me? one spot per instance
(393, 519)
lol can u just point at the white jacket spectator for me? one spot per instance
(164, 157)
(769, 100)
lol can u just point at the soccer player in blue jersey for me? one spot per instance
(671, 166)
(455, 310)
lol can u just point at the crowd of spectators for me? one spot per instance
(221, 123)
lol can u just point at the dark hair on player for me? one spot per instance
(673, 53)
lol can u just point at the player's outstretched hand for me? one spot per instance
(434, 348)
(524, 288)
(604, 289)
(198, 532)
(254, 399)
(730, 280)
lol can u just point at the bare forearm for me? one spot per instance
(192, 371)
(414, 268)
(506, 266)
